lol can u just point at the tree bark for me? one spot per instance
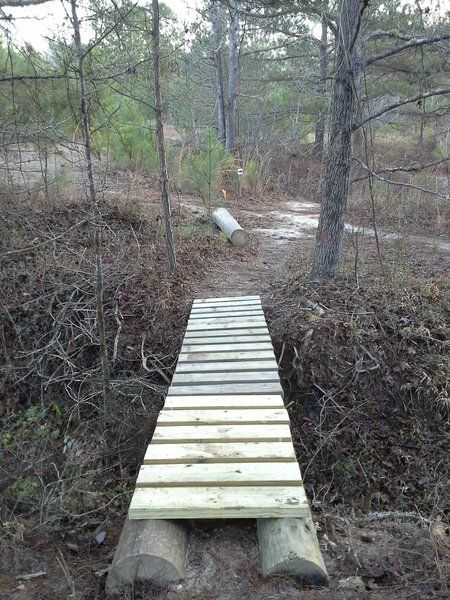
(322, 89)
(97, 218)
(218, 64)
(337, 167)
(163, 177)
(232, 77)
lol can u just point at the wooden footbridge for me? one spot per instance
(221, 449)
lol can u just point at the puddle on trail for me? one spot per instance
(303, 218)
(302, 224)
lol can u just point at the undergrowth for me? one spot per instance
(368, 389)
(54, 459)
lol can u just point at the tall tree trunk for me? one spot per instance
(216, 22)
(97, 218)
(232, 77)
(322, 89)
(359, 140)
(163, 177)
(338, 162)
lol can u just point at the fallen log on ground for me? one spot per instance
(229, 225)
(148, 550)
(290, 547)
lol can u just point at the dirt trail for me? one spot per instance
(276, 236)
(248, 271)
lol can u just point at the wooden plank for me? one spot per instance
(217, 452)
(227, 315)
(236, 336)
(209, 305)
(235, 377)
(205, 346)
(222, 402)
(230, 356)
(225, 389)
(221, 433)
(226, 323)
(216, 367)
(233, 342)
(227, 320)
(198, 301)
(249, 416)
(218, 474)
(219, 503)
(230, 309)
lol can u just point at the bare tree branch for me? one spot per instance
(20, 3)
(48, 241)
(410, 169)
(413, 43)
(399, 183)
(379, 33)
(411, 99)
(33, 77)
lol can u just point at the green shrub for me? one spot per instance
(203, 172)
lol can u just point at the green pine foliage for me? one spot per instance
(129, 137)
(205, 170)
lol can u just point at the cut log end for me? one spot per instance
(290, 547)
(239, 237)
(148, 550)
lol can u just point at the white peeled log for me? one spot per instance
(150, 550)
(289, 546)
(229, 225)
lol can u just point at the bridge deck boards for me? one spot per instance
(222, 446)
